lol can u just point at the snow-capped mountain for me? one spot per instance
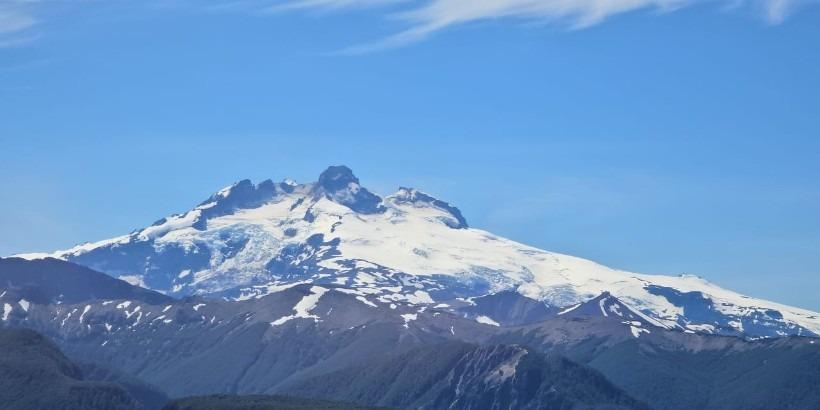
(322, 340)
(250, 240)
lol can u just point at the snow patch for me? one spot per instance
(85, 310)
(365, 301)
(486, 320)
(636, 331)
(303, 307)
(6, 311)
(409, 317)
(134, 280)
(601, 305)
(569, 309)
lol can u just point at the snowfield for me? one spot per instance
(251, 240)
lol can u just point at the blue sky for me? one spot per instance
(652, 138)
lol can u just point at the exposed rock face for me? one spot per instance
(407, 247)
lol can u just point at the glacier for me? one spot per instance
(249, 240)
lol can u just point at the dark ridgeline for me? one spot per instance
(247, 236)
(34, 374)
(597, 355)
(259, 402)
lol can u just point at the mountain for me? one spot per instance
(258, 402)
(249, 239)
(34, 374)
(461, 375)
(302, 338)
(45, 281)
(327, 341)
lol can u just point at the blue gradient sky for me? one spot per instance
(678, 142)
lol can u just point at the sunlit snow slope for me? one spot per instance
(249, 240)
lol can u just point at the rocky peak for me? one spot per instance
(338, 184)
(417, 198)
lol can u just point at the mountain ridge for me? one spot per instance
(247, 239)
(288, 340)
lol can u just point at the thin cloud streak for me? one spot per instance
(428, 17)
(330, 4)
(15, 24)
(13, 20)
(420, 18)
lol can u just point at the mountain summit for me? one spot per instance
(338, 184)
(248, 240)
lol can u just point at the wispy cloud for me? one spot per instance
(15, 23)
(424, 18)
(419, 19)
(330, 4)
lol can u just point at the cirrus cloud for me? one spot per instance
(424, 18)
(418, 19)
(15, 23)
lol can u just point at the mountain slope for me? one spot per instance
(258, 402)
(247, 240)
(48, 280)
(288, 340)
(460, 375)
(34, 374)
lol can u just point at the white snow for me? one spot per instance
(134, 280)
(33, 255)
(636, 331)
(365, 301)
(411, 238)
(304, 306)
(261, 291)
(409, 317)
(171, 224)
(487, 321)
(67, 316)
(6, 311)
(601, 305)
(569, 309)
(131, 313)
(197, 306)
(85, 310)
(705, 328)
(24, 304)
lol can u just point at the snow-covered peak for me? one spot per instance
(250, 238)
(338, 184)
(336, 178)
(414, 197)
